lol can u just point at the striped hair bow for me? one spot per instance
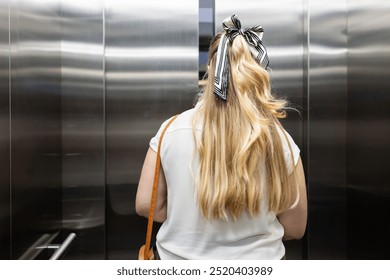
(253, 36)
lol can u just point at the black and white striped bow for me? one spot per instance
(253, 37)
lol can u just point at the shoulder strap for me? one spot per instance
(154, 192)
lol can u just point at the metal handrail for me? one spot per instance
(38, 246)
(62, 248)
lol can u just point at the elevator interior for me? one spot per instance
(85, 84)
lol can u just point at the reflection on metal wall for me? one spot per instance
(327, 129)
(151, 73)
(285, 42)
(368, 129)
(83, 126)
(5, 234)
(35, 122)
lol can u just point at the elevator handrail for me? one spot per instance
(38, 246)
(62, 248)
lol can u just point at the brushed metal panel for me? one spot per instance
(151, 63)
(368, 129)
(35, 121)
(83, 127)
(284, 38)
(327, 129)
(5, 215)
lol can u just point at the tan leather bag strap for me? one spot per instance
(154, 192)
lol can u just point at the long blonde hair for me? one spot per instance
(239, 138)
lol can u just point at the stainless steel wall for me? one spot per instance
(5, 234)
(83, 127)
(35, 86)
(87, 79)
(151, 73)
(284, 37)
(368, 134)
(326, 129)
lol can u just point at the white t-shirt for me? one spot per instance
(186, 234)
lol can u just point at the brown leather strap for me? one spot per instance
(154, 193)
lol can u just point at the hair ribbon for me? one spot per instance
(253, 36)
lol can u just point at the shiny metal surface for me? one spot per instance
(5, 215)
(327, 126)
(151, 73)
(283, 22)
(35, 121)
(83, 126)
(368, 137)
(63, 247)
(206, 33)
(38, 247)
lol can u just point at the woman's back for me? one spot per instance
(232, 184)
(187, 234)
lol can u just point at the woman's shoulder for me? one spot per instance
(187, 114)
(182, 121)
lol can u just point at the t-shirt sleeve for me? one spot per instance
(286, 140)
(154, 141)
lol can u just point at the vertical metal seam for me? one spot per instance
(308, 87)
(346, 122)
(104, 125)
(214, 15)
(306, 127)
(61, 15)
(10, 127)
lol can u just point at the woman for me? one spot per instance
(232, 184)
